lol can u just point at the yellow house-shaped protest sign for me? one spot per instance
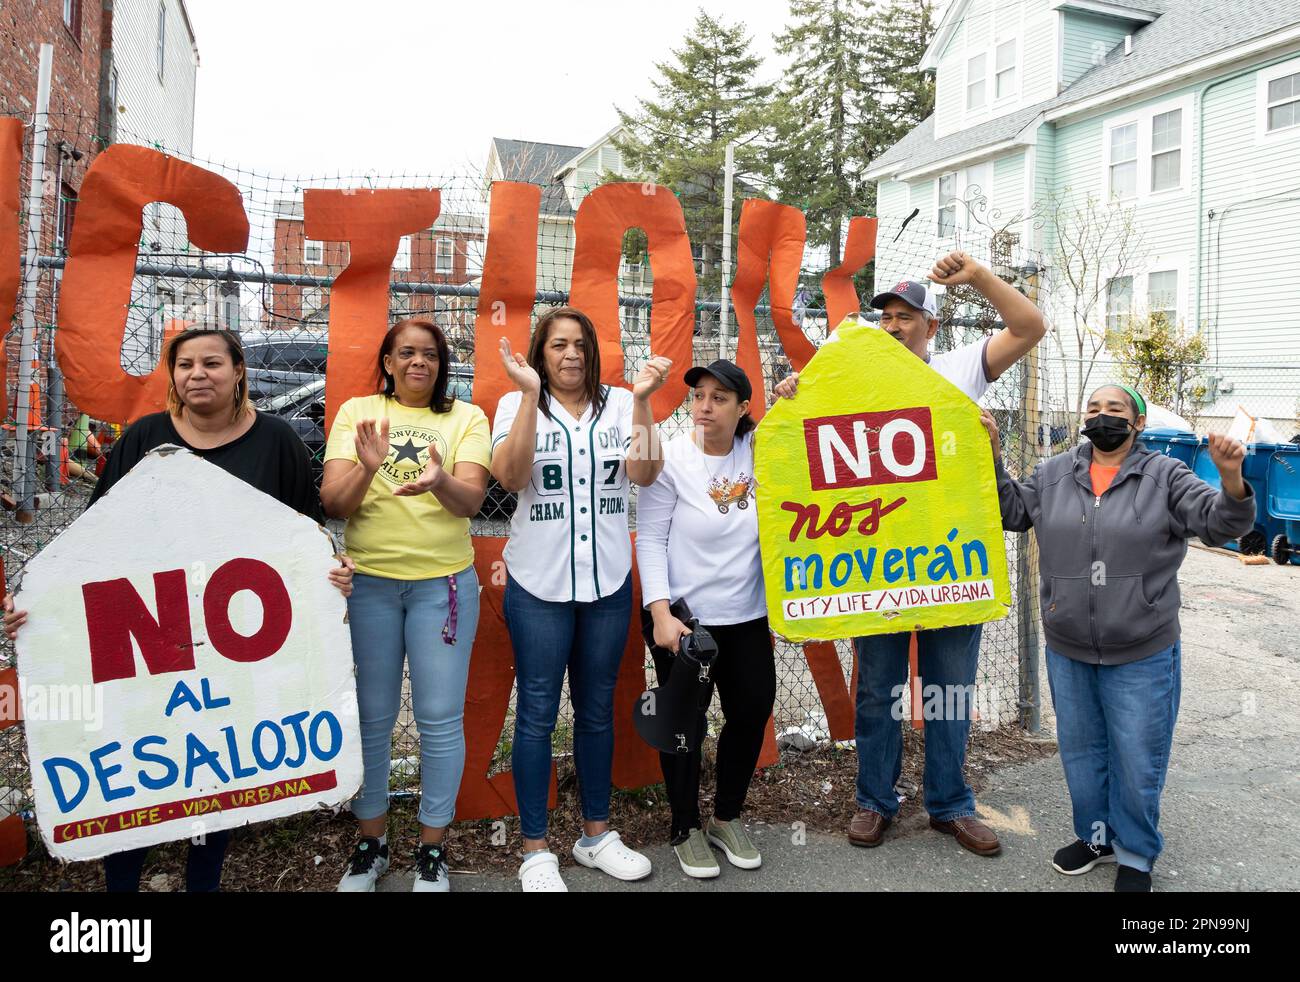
(877, 499)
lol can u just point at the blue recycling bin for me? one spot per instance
(1284, 504)
(1172, 443)
(1255, 470)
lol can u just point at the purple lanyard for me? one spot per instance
(449, 627)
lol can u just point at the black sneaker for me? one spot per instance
(368, 863)
(1130, 880)
(1079, 857)
(431, 869)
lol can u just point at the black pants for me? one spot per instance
(744, 673)
(202, 868)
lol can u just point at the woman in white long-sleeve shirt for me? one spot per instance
(697, 540)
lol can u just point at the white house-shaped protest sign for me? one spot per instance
(192, 617)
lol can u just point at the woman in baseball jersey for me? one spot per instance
(570, 446)
(407, 468)
(697, 540)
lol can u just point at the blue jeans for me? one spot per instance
(588, 639)
(946, 657)
(395, 621)
(1115, 727)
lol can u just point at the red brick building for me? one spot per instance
(81, 33)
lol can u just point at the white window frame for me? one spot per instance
(1262, 78)
(1132, 277)
(307, 245)
(939, 206)
(984, 170)
(1181, 150)
(402, 260)
(1170, 263)
(1178, 291)
(1173, 263)
(161, 46)
(1108, 144)
(1006, 22)
(983, 82)
(437, 256)
(1143, 117)
(961, 188)
(1014, 94)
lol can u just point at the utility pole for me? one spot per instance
(724, 315)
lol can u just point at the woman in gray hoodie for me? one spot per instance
(1112, 520)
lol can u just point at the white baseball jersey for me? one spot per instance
(569, 538)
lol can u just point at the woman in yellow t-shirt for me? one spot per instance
(407, 468)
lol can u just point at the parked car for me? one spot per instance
(282, 361)
(304, 408)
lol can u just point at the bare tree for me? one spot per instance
(1093, 243)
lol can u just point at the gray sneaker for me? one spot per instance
(735, 843)
(696, 857)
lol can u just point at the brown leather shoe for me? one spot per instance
(971, 833)
(867, 828)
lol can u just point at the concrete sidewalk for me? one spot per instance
(1229, 808)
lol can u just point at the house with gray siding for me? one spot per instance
(1179, 116)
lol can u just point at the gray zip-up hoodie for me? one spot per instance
(1108, 564)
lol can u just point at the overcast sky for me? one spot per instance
(297, 88)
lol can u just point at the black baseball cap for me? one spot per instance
(726, 372)
(912, 293)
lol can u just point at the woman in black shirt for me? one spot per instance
(209, 413)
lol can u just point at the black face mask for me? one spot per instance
(1107, 433)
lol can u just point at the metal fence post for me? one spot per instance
(1030, 700)
(24, 441)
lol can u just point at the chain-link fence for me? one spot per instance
(276, 295)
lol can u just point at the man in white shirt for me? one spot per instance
(947, 656)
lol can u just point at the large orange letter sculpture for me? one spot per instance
(372, 222)
(603, 217)
(96, 290)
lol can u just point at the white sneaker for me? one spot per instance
(431, 870)
(368, 863)
(540, 873)
(609, 855)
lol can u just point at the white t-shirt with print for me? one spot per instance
(697, 533)
(569, 539)
(965, 367)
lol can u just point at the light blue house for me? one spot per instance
(1181, 116)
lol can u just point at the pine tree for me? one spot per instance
(821, 94)
(705, 98)
(898, 95)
